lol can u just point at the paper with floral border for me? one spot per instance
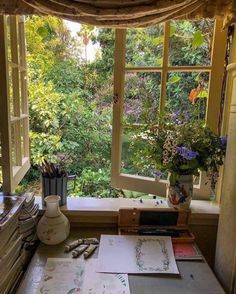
(100, 283)
(62, 276)
(69, 276)
(136, 254)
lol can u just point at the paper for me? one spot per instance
(136, 254)
(99, 283)
(69, 276)
(62, 276)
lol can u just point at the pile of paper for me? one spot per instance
(108, 274)
(17, 233)
(28, 218)
(11, 257)
(79, 276)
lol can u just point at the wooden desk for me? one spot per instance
(196, 276)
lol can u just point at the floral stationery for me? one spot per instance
(62, 276)
(70, 276)
(100, 283)
(136, 255)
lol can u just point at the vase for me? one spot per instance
(180, 194)
(54, 227)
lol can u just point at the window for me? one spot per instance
(14, 125)
(146, 78)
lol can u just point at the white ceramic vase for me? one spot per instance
(54, 227)
(180, 194)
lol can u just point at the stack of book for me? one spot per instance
(28, 220)
(11, 254)
(16, 233)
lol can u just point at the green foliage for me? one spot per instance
(198, 39)
(44, 146)
(95, 183)
(70, 98)
(181, 146)
(68, 120)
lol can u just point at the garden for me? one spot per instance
(71, 97)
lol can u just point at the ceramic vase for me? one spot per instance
(180, 194)
(54, 227)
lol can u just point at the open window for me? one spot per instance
(149, 76)
(14, 119)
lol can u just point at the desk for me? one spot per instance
(196, 276)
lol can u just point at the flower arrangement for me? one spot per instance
(182, 147)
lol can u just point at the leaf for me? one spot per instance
(43, 32)
(203, 94)
(158, 40)
(173, 79)
(173, 179)
(72, 291)
(198, 39)
(172, 30)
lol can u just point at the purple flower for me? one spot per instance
(174, 117)
(156, 173)
(223, 141)
(187, 153)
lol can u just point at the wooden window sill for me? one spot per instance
(105, 210)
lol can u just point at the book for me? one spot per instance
(186, 251)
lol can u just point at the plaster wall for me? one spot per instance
(226, 238)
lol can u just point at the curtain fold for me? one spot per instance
(124, 13)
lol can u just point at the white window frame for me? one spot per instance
(215, 69)
(14, 157)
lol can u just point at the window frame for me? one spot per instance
(215, 69)
(13, 170)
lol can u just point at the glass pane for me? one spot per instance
(191, 42)
(132, 162)
(16, 91)
(22, 137)
(142, 97)
(144, 47)
(13, 145)
(8, 39)
(10, 89)
(187, 93)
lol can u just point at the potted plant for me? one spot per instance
(182, 147)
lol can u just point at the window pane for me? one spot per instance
(142, 97)
(10, 89)
(13, 145)
(144, 47)
(191, 42)
(187, 93)
(131, 161)
(9, 56)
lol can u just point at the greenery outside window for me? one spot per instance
(175, 67)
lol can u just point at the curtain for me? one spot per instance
(124, 13)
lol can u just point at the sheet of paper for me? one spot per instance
(70, 276)
(99, 283)
(136, 254)
(62, 276)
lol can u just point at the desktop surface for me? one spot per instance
(195, 277)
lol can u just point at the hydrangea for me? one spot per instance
(187, 153)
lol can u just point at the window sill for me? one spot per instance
(105, 210)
